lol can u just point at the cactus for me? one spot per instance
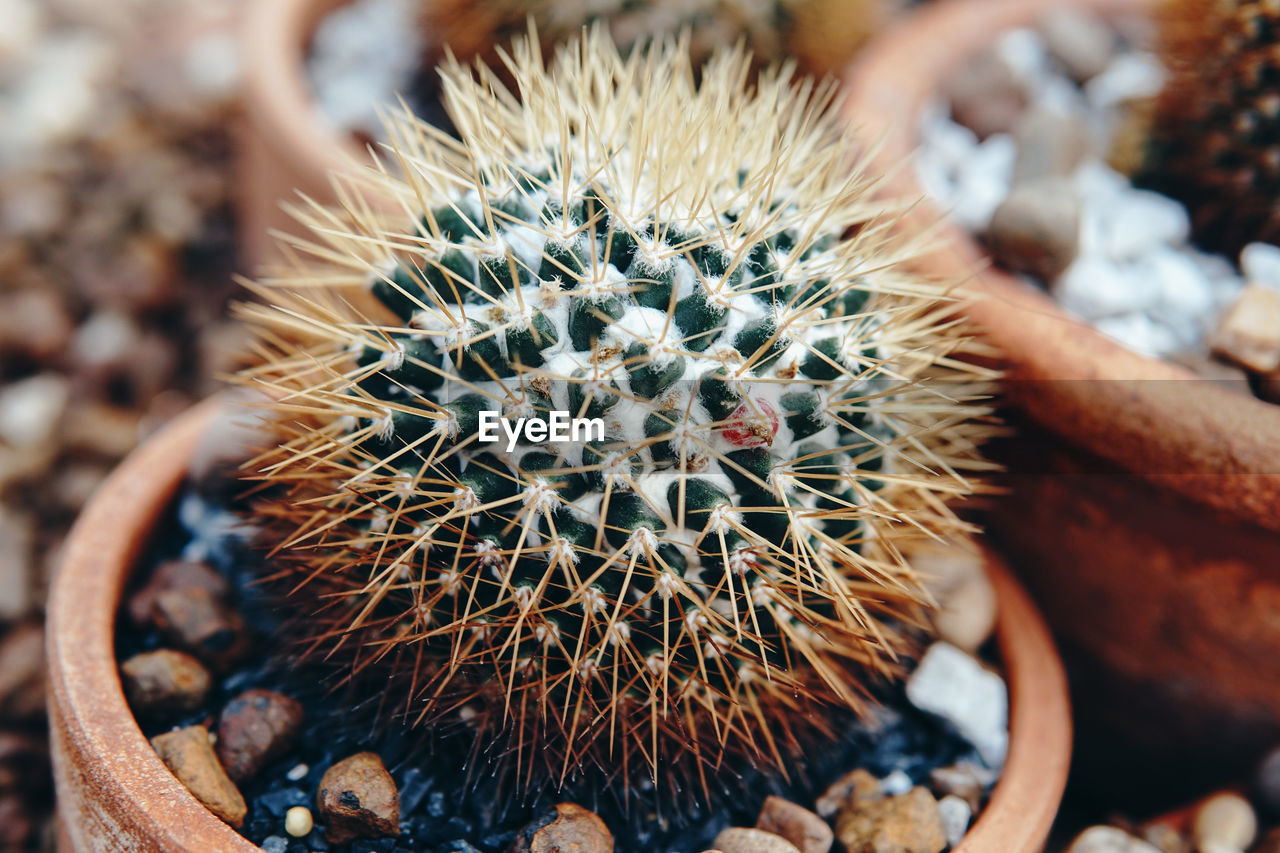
(702, 268)
(1215, 136)
(821, 34)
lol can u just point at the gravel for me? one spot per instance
(363, 56)
(1133, 274)
(901, 745)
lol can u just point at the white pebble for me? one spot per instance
(212, 66)
(1184, 294)
(897, 782)
(955, 814)
(1139, 220)
(104, 337)
(950, 141)
(23, 21)
(297, 772)
(1261, 264)
(1108, 839)
(1139, 333)
(984, 181)
(298, 821)
(1024, 51)
(1225, 821)
(362, 56)
(30, 409)
(1055, 93)
(1094, 288)
(1129, 76)
(956, 687)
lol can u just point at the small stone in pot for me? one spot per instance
(1036, 229)
(198, 621)
(569, 827)
(298, 821)
(256, 727)
(1249, 333)
(907, 823)
(358, 799)
(1224, 823)
(1108, 839)
(171, 575)
(965, 780)
(164, 682)
(986, 95)
(190, 757)
(853, 787)
(738, 839)
(808, 832)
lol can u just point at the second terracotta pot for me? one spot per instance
(1145, 503)
(115, 795)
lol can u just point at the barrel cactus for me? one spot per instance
(1215, 136)
(695, 273)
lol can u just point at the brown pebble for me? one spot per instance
(801, 827)
(964, 780)
(190, 757)
(568, 829)
(856, 786)
(358, 799)
(256, 727)
(908, 823)
(33, 324)
(1082, 41)
(740, 839)
(1248, 334)
(1036, 229)
(986, 95)
(170, 575)
(164, 681)
(199, 622)
(1050, 143)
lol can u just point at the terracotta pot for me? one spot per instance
(114, 794)
(1145, 503)
(286, 145)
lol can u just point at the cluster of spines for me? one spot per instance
(1215, 136)
(821, 35)
(724, 563)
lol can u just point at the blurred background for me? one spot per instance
(116, 254)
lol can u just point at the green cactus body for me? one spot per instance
(669, 259)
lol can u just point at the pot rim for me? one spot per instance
(1081, 385)
(96, 737)
(277, 95)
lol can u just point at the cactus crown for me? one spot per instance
(619, 243)
(1215, 142)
